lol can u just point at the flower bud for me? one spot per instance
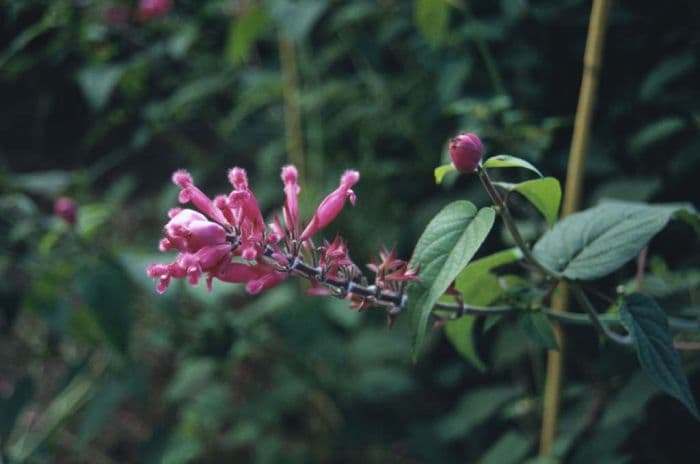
(67, 209)
(466, 151)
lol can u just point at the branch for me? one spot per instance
(502, 208)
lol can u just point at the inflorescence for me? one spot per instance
(227, 239)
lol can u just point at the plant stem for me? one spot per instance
(583, 300)
(572, 198)
(504, 212)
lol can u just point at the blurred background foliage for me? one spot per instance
(102, 106)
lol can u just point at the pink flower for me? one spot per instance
(227, 238)
(291, 204)
(466, 151)
(332, 205)
(152, 9)
(67, 209)
(190, 193)
(188, 231)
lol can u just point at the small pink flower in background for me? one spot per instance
(152, 9)
(466, 151)
(332, 205)
(67, 209)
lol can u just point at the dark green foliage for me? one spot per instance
(96, 367)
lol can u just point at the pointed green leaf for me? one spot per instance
(245, 29)
(648, 325)
(432, 19)
(477, 284)
(107, 290)
(460, 332)
(597, 241)
(511, 448)
(440, 172)
(538, 328)
(448, 243)
(544, 194)
(98, 83)
(508, 161)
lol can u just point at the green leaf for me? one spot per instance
(98, 82)
(448, 243)
(244, 31)
(657, 81)
(507, 161)
(544, 194)
(648, 325)
(538, 328)
(432, 19)
(98, 410)
(107, 290)
(47, 183)
(656, 132)
(11, 406)
(460, 332)
(440, 172)
(296, 18)
(597, 241)
(477, 284)
(511, 448)
(473, 408)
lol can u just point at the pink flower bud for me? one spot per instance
(291, 205)
(67, 209)
(205, 233)
(238, 178)
(466, 151)
(190, 193)
(332, 205)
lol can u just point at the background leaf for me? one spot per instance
(460, 333)
(539, 329)
(108, 292)
(648, 326)
(432, 19)
(448, 243)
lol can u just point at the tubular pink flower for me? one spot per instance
(190, 193)
(332, 205)
(268, 277)
(243, 200)
(291, 205)
(236, 273)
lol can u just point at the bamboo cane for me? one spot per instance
(572, 199)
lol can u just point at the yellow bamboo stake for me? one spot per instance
(572, 199)
(294, 136)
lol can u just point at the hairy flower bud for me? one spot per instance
(67, 209)
(466, 151)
